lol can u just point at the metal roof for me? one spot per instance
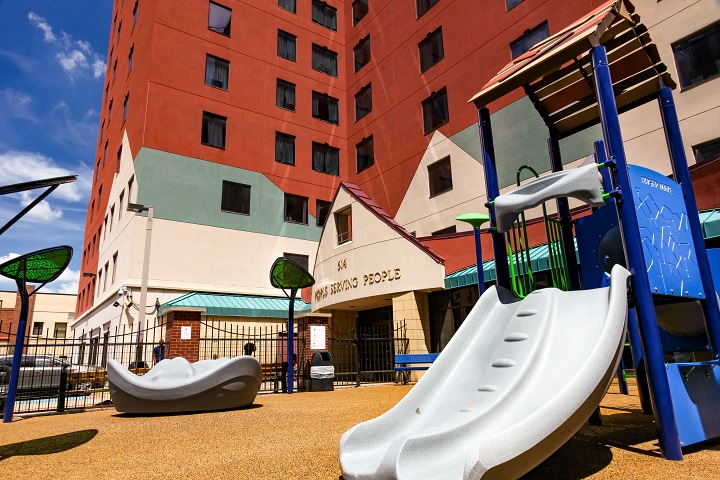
(219, 304)
(558, 77)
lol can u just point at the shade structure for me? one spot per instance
(557, 75)
(41, 266)
(287, 274)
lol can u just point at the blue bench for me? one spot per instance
(406, 362)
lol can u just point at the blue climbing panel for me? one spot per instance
(667, 243)
(695, 390)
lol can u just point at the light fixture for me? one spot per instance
(89, 274)
(136, 207)
(116, 304)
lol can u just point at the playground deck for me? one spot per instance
(297, 436)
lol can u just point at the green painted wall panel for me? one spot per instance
(520, 138)
(189, 190)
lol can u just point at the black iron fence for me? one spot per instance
(365, 354)
(58, 374)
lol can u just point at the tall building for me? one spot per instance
(241, 123)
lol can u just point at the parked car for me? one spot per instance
(40, 372)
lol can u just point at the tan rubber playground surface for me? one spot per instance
(296, 437)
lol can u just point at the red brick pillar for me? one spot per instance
(188, 348)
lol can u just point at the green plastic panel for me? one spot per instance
(41, 266)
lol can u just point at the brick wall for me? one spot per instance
(189, 349)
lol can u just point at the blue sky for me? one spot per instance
(52, 72)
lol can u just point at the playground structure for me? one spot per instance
(455, 422)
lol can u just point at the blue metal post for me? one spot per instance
(291, 342)
(657, 377)
(637, 356)
(682, 176)
(563, 209)
(621, 378)
(17, 354)
(478, 257)
(502, 267)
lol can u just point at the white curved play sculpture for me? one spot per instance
(177, 385)
(516, 381)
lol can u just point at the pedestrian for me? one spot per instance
(159, 352)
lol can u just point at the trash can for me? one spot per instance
(322, 372)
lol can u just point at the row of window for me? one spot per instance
(59, 330)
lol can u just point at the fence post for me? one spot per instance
(183, 334)
(62, 388)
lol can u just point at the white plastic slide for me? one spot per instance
(516, 381)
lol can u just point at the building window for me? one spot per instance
(110, 111)
(707, 152)
(60, 330)
(288, 5)
(121, 201)
(325, 107)
(698, 56)
(444, 231)
(509, 4)
(219, 19)
(324, 60)
(130, 59)
(105, 278)
(105, 149)
(235, 198)
(119, 32)
(99, 284)
(431, 50)
(365, 152)
(286, 47)
(362, 53)
(322, 210)
(359, 10)
(285, 95)
(112, 217)
(105, 227)
(296, 209)
(97, 170)
(114, 267)
(119, 159)
(424, 5)
(363, 102)
(213, 130)
(324, 14)
(529, 39)
(125, 107)
(440, 177)
(343, 225)
(37, 328)
(302, 260)
(284, 148)
(130, 187)
(135, 13)
(435, 111)
(216, 72)
(114, 71)
(326, 159)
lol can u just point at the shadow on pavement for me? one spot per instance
(47, 445)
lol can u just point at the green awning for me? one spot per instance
(709, 220)
(710, 223)
(539, 262)
(223, 305)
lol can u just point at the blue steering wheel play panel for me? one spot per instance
(670, 258)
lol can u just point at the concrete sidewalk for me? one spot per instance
(297, 436)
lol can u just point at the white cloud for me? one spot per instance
(42, 24)
(41, 211)
(7, 257)
(19, 166)
(76, 57)
(16, 104)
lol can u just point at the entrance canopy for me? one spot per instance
(557, 73)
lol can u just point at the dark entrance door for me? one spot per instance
(375, 345)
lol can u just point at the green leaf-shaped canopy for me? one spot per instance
(42, 266)
(287, 274)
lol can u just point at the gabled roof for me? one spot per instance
(234, 305)
(358, 194)
(557, 73)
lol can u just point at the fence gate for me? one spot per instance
(365, 354)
